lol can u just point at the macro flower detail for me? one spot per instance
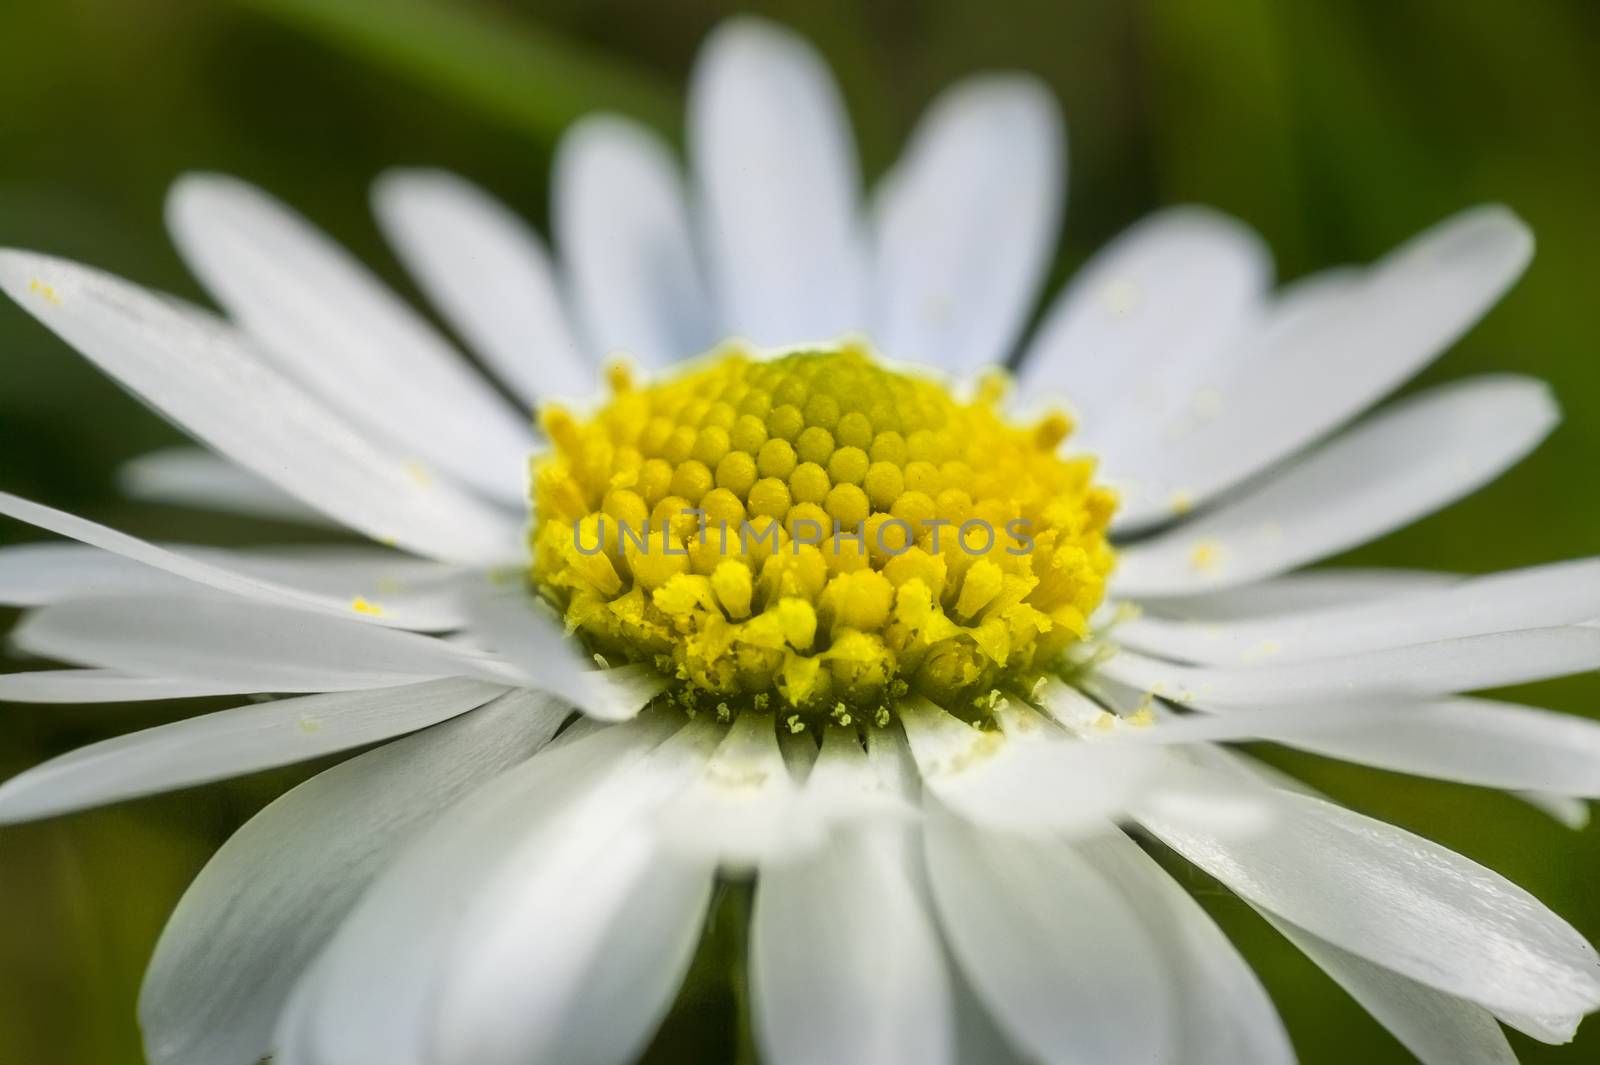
(942, 663)
(819, 534)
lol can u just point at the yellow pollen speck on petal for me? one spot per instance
(1182, 501)
(983, 746)
(815, 535)
(45, 292)
(363, 606)
(309, 725)
(1265, 649)
(419, 473)
(1206, 556)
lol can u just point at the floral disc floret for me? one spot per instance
(817, 534)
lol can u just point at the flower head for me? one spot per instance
(819, 533)
(955, 675)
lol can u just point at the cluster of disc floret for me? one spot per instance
(814, 534)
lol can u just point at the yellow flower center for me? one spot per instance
(816, 534)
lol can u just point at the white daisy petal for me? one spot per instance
(199, 373)
(845, 964)
(1549, 760)
(206, 573)
(490, 276)
(1162, 297)
(1182, 394)
(966, 224)
(1439, 1029)
(978, 1036)
(231, 743)
(1562, 593)
(531, 991)
(515, 985)
(194, 477)
(268, 901)
(1412, 459)
(1397, 900)
(371, 583)
(1362, 343)
(103, 686)
(36, 574)
(1290, 723)
(776, 172)
(321, 565)
(1193, 799)
(1420, 1016)
(1565, 809)
(850, 785)
(1072, 708)
(1232, 762)
(332, 325)
(621, 220)
(633, 977)
(1545, 1026)
(1058, 956)
(528, 635)
(746, 811)
(1477, 741)
(1223, 1013)
(1401, 674)
(230, 641)
(1290, 309)
(1291, 593)
(1028, 780)
(293, 1040)
(374, 993)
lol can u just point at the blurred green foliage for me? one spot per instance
(1336, 129)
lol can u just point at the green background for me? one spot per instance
(1336, 129)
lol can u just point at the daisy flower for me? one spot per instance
(976, 650)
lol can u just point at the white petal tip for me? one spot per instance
(600, 126)
(36, 282)
(1521, 399)
(399, 183)
(195, 185)
(195, 198)
(750, 32)
(1018, 89)
(1491, 235)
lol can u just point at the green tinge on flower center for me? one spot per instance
(816, 535)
